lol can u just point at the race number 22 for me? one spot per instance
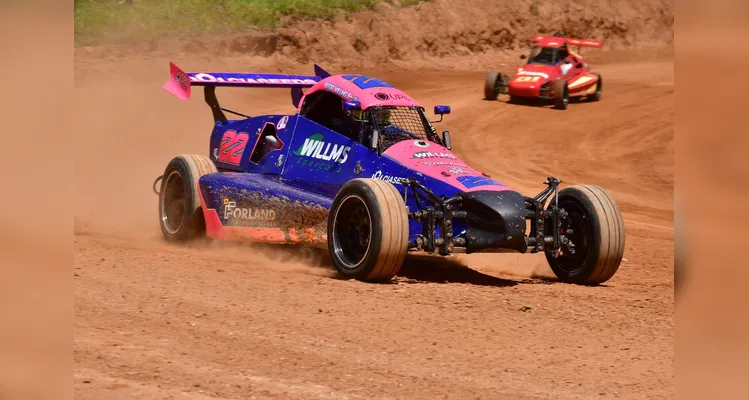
(232, 147)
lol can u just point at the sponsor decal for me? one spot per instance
(392, 96)
(181, 79)
(532, 73)
(340, 92)
(247, 213)
(208, 78)
(459, 171)
(474, 181)
(429, 154)
(421, 143)
(443, 163)
(387, 178)
(319, 165)
(282, 122)
(316, 147)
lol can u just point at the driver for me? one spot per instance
(387, 127)
(566, 62)
(350, 123)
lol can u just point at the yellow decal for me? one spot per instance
(591, 90)
(527, 79)
(580, 81)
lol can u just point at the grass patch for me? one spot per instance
(107, 21)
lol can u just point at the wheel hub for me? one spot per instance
(173, 202)
(353, 232)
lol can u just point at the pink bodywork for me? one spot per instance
(178, 84)
(370, 97)
(437, 162)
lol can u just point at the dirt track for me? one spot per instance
(236, 321)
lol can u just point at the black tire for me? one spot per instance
(368, 230)
(561, 94)
(599, 88)
(491, 88)
(180, 216)
(598, 236)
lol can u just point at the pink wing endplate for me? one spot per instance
(179, 83)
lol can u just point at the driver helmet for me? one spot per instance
(356, 114)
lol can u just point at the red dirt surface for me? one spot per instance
(228, 321)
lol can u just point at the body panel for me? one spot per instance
(368, 91)
(278, 174)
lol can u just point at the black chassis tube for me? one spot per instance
(439, 213)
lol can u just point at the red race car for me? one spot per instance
(553, 72)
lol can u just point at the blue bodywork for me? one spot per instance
(279, 174)
(302, 177)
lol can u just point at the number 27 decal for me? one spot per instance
(232, 147)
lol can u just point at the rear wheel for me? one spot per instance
(180, 217)
(596, 228)
(561, 94)
(491, 85)
(368, 230)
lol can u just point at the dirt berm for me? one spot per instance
(429, 32)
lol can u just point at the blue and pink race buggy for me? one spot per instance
(360, 168)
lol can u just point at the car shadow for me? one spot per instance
(419, 269)
(539, 103)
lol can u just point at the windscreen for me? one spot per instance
(398, 123)
(544, 56)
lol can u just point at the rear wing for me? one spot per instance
(552, 40)
(181, 82)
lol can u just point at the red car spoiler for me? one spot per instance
(552, 41)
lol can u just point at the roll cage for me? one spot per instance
(392, 123)
(543, 55)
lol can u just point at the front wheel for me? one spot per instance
(561, 94)
(491, 85)
(368, 230)
(596, 228)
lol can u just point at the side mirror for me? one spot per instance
(351, 105)
(523, 57)
(446, 140)
(440, 110)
